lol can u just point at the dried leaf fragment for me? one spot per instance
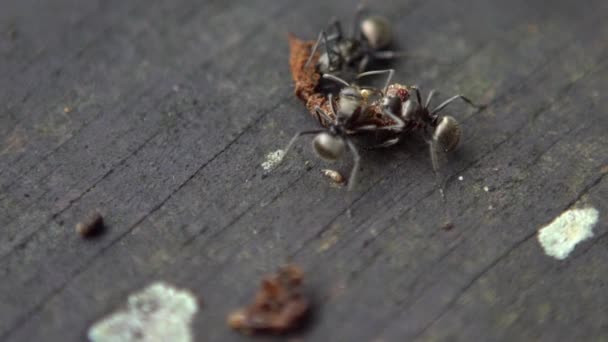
(279, 306)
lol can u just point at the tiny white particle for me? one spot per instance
(559, 237)
(460, 178)
(272, 159)
(159, 312)
(486, 189)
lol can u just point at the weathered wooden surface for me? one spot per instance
(160, 112)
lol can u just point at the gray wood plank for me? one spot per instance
(175, 104)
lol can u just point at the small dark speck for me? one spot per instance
(308, 165)
(26, 195)
(91, 226)
(86, 147)
(448, 226)
(195, 102)
(264, 175)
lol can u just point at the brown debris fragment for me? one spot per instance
(91, 226)
(448, 226)
(306, 79)
(278, 307)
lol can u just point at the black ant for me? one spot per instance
(330, 143)
(445, 130)
(442, 133)
(343, 54)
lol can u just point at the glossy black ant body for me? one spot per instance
(331, 143)
(443, 133)
(347, 56)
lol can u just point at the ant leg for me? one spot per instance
(332, 105)
(336, 79)
(314, 50)
(322, 37)
(440, 181)
(293, 140)
(390, 73)
(453, 98)
(418, 97)
(387, 143)
(434, 155)
(388, 54)
(356, 161)
(357, 20)
(363, 63)
(429, 98)
(397, 126)
(337, 25)
(321, 113)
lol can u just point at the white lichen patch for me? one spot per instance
(559, 237)
(159, 312)
(272, 159)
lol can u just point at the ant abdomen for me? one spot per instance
(377, 31)
(447, 134)
(328, 146)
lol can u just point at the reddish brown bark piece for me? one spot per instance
(279, 305)
(307, 79)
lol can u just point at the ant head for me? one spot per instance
(392, 104)
(328, 146)
(377, 31)
(447, 134)
(408, 110)
(350, 100)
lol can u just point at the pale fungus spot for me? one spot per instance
(273, 159)
(559, 237)
(160, 312)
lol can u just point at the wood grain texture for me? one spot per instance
(160, 113)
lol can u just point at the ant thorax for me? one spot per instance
(349, 50)
(344, 55)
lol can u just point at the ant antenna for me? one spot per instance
(390, 72)
(293, 140)
(357, 20)
(336, 79)
(453, 98)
